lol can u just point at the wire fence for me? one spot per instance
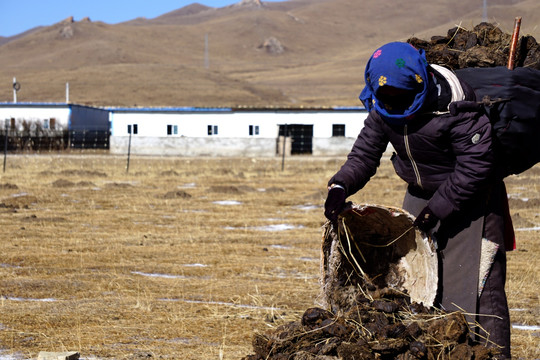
(53, 140)
(293, 139)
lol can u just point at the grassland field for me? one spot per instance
(186, 258)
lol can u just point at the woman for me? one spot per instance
(444, 151)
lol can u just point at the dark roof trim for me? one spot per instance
(186, 109)
(234, 109)
(46, 105)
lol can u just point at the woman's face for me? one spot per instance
(395, 100)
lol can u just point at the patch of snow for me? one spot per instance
(27, 299)
(9, 266)
(286, 247)
(534, 228)
(307, 258)
(526, 327)
(227, 202)
(273, 227)
(5, 356)
(224, 303)
(278, 227)
(307, 207)
(517, 197)
(195, 265)
(164, 276)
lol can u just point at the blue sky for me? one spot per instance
(17, 16)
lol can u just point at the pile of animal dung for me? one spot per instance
(389, 327)
(484, 46)
(367, 309)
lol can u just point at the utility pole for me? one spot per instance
(6, 138)
(16, 87)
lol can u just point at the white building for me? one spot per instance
(184, 131)
(80, 126)
(44, 115)
(234, 132)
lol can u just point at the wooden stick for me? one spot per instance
(513, 44)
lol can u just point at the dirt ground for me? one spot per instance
(184, 258)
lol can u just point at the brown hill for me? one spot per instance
(292, 53)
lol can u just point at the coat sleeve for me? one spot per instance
(364, 158)
(471, 141)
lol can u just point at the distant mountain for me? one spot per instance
(186, 13)
(253, 53)
(189, 10)
(4, 40)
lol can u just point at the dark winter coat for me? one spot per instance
(449, 156)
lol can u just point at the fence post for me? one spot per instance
(284, 147)
(6, 129)
(129, 148)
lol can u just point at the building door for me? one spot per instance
(301, 137)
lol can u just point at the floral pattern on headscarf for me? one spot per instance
(399, 65)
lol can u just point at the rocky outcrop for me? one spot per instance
(257, 3)
(272, 46)
(66, 32)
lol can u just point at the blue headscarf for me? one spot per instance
(399, 65)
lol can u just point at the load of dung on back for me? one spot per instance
(504, 72)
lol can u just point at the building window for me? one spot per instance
(212, 130)
(134, 127)
(253, 130)
(338, 130)
(172, 129)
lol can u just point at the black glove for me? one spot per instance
(335, 203)
(426, 220)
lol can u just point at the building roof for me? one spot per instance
(184, 109)
(188, 109)
(46, 105)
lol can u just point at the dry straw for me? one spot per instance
(74, 258)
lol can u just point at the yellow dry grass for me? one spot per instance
(185, 258)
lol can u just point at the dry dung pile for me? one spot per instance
(484, 46)
(386, 328)
(378, 282)
(178, 194)
(8, 186)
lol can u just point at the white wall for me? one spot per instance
(233, 137)
(36, 114)
(234, 124)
